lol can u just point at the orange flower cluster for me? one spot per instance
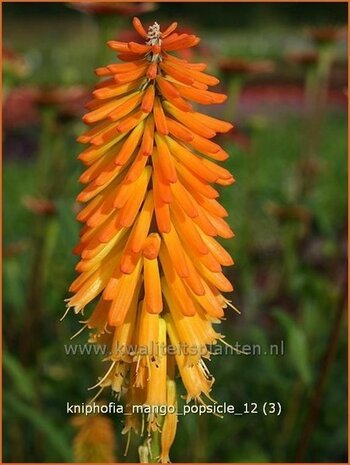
(151, 215)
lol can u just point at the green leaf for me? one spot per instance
(297, 348)
(13, 283)
(58, 441)
(21, 380)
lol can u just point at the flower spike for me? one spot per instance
(150, 263)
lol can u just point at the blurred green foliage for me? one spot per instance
(290, 251)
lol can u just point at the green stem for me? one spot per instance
(290, 417)
(34, 304)
(310, 87)
(324, 67)
(155, 447)
(316, 87)
(234, 89)
(150, 450)
(320, 384)
(50, 172)
(48, 121)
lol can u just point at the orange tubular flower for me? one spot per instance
(148, 256)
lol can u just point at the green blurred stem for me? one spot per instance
(290, 243)
(320, 384)
(234, 89)
(48, 117)
(316, 87)
(50, 171)
(248, 232)
(201, 440)
(290, 417)
(324, 66)
(310, 88)
(50, 179)
(32, 323)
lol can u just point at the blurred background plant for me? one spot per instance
(286, 73)
(95, 439)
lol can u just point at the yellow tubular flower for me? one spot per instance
(170, 422)
(149, 260)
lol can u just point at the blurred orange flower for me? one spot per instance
(21, 105)
(307, 58)
(14, 63)
(242, 66)
(39, 206)
(326, 34)
(119, 8)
